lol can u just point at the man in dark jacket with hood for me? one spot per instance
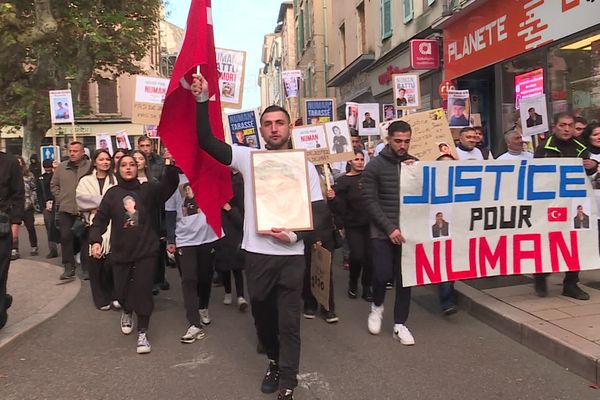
(381, 191)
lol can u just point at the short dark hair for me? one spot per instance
(143, 138)
(531, 109)
(581, 120)
(276, 108)
(76, 142)
(561, 115)
(466, 129)
(399, 126)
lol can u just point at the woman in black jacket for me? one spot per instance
(348, 205)
(130, 207)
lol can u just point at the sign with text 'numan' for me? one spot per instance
(476, 219)
(149, 97)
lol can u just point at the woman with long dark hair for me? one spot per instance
(117, 156)
(90, 191)
(348, 206)
(28, 216)
(130, 206)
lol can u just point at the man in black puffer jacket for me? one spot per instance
(381, 191)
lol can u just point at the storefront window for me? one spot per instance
(515, 72)
(574, 73)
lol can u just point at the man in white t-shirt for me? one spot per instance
(467, 147)
(275, 260)
(192, 240)
(514, 142)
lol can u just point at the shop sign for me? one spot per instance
(424, 54)
(504, 29)
(444, 87)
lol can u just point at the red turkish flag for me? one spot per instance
(210, 180)
(557, 214)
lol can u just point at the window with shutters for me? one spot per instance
(386, 19)
(408, 11)
(300, 33)
(108, 99)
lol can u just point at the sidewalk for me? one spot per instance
(37, 295)
(563, 329)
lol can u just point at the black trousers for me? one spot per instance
(360, 255)
(29, 222)
(238, 277)
(67, 239)
(161, 262)
(5, 247)
(310, 302)
(133, 288)
(196, 267)
(51, 231)
(275, 288)
(386, 266)
(100, 272)
(571, 278)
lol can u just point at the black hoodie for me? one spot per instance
(381, 191)
(131, 207)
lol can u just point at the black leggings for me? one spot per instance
(238, 277)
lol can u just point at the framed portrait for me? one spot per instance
(61, 107)
(352, 115)
(232, 69)
(459, 108)
(123, 140)
(312, 138)
(534, 115)
(407, 91)
(281, 190)
(388, 111)
(368, 119)
(338, 141)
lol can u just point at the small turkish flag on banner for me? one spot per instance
(210, 181)
(557, 214)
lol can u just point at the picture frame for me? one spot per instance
(281, 190)
(407, 91)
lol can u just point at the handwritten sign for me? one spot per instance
(431, 136)
(312, 138)
(149, 97)
(320, 270)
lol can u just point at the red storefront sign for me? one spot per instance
(499, 30)
(424, 54)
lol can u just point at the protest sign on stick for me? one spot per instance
(291, 82)
(339, 142)
(312, 138)
(149, 98)
(407, 91)
(243, 128)
(459, 108)
(319, 111)
(320, 270)
(368, 119)
(232, 67)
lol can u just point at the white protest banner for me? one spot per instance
(61, 107)
(311, 138)
(534, 115)
(459, 108)
(291, 82)
(473, 219)
(149, 97)
(407, 91)
(232, 67)
(431, 137)
(368, 119)
(339, 142)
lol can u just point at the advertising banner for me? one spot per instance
(476, 219)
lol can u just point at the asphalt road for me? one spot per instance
(81, 354)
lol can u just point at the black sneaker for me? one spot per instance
(329, 317)
(450, 310)
(270, 382)
(287, 394)
(367, 294)
(309, 313)
(541, 287)
(352, 292)
(52, 254)
(69, 272)
(389, 285)
(575, 292)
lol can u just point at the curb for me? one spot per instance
(11, 332)
(559, 345)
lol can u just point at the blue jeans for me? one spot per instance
(446, 293)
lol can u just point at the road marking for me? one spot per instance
(200, 359)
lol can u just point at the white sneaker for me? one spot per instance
(192, 334)
(204, 317)
(375, 317)
(105, 308)
(242, 303)
(126, 323)
(402, 334)
(143, 344)
(77, 258)
(116, 304)
(227, 299)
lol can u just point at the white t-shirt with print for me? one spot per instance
(524, 155)
(254, 242)
(473, 154)
(192, 229)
